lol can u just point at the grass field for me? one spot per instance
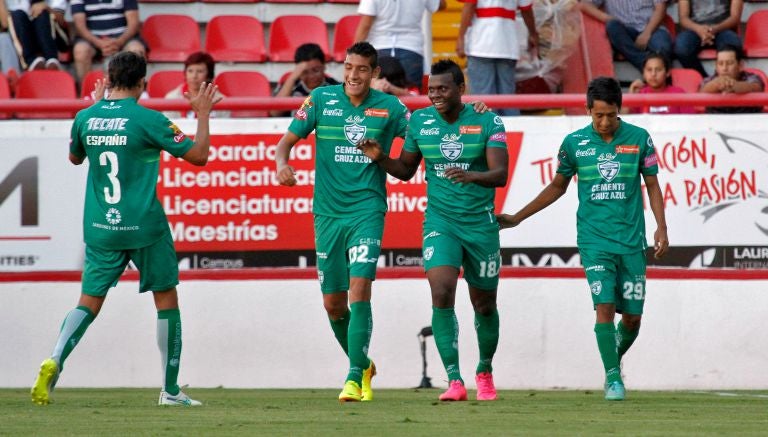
(392, 413)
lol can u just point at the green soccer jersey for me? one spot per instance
(460, 144)
(610, 215)
(123, 141)
(347, 183)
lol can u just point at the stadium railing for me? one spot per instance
(523, 101)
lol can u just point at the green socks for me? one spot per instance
(360, 328)
(487, 328)
(340, 329)
(169, 342)
(624, 339)
(606, 343)
(72, 330)
(445, 328)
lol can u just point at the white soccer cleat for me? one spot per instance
(180, 399)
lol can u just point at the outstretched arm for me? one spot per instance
(202, 103)
(546, 197)
(402, 168)
(656, 200)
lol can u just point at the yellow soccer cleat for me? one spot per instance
(45, 382)
(351, 392)
(368, 375)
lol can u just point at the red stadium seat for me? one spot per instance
(5, 93)
(166, 1)
(161, 82)
(171, 38)
(46, 84)
(290, 31)
(231, 1)
(686, 78)
(244, 84)
(344, 36)
(293, 1)
(756, 35)
(235, 38)
(344, 1)
(89, 83)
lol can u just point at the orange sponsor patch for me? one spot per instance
(470, 129)
(376, 112)
(627, 149)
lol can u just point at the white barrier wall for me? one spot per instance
(697, 334)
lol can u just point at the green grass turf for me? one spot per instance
(392, 413)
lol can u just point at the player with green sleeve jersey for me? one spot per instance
(123, 220)
(609, 157)
(349, 200)
(465, 156)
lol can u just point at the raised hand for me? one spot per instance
(205, 98)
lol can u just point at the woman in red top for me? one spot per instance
(657, 79)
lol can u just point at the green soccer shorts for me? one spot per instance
(616, 279)
(347, 247)
(157, 265)
(476, 248)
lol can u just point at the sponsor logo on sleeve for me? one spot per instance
(624, 148)
(178, 135)
(469, 130)
(377, 112)
(650, 160)
(499, 136)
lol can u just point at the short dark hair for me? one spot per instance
(393, 71)
(664, 60)
(308, 52)
(126, 69)
(366, 50)
(444, 66)
(732, 48)
(202, 58)
(606, 89)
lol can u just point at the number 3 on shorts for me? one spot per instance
(634, 291)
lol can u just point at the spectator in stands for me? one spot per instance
(706, 24)
(9, 59)
(199, 68)
(730, 77)
(488, 38)
(394, 28)
(634, 27)
(658, 79)
(308, 74)
(392, 79)
(31, 30)
(103, 29)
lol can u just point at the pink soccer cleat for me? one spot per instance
(455, 392)
(486, 391)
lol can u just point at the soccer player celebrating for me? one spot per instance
(465, 155)
(349, 200)
(123, 220)
(608, 156)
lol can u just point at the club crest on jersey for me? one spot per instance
(354, 132)
(607, 166)
(451, 148)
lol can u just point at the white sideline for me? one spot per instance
(697, 335)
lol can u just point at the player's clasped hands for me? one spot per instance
(206, 97)
(507, 221)
(286, 175)
(371, 148)
(660, 243)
